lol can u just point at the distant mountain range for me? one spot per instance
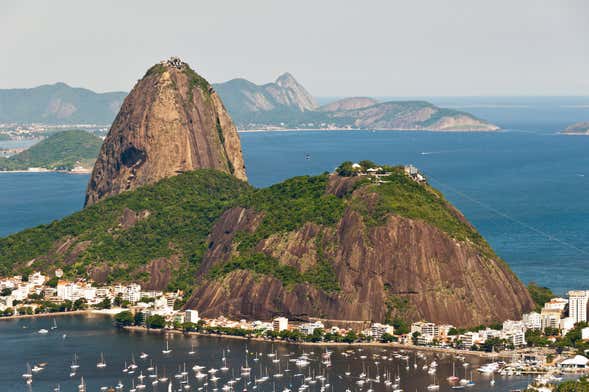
(287, 104)
(282, 104)
(243, 97)
(59, 104)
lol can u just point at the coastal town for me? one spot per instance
(539, 340)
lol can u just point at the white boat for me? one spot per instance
(29, 373)
(37, 369)
(164, 378)
(167, 350)
(82, 386)
(433, 386)
(102, 363)
(43, 331)
(75, 364)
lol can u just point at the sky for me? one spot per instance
(334, 48)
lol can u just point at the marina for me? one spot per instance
(96, 356)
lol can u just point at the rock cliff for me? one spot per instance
(282, 97)
(171, 122)
(333, 247)
(398, 267)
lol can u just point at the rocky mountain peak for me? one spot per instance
(286, 80)
(171, 122)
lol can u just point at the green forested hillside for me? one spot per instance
(178, 213)
(61, 151)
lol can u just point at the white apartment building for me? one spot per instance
(578, 305)
(66, 290)
(132, 293)
(262, 325)
(103, 292)
(489, 333)
(309, 328)
(469, 339)
(430, 329)
(517, 338)
(550, 318)
(37, 279)
(510, 326)
(280, 324)
(532, 320)
(377, 330)
(566, 324)
(556, 304)
(21, 292)
(191, 316)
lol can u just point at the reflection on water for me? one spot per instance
(273, 366)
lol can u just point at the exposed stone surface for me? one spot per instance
(348, 104)
(410, 115)
(172, 121)
(404, 268)
(243, 97)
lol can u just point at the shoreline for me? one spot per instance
(46, 171)
(452, 351)
(87, 312)
(370, 130)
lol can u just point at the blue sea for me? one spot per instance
(526, 189)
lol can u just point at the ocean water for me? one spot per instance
(526, 189)
(88, 337)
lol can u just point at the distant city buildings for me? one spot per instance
(578, 305)
(309, 328)
(280, 324)
(191, 316)
(377, 330)
(560, 314)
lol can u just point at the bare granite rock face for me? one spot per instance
(402, 268)
(171, 122)
(348, 104)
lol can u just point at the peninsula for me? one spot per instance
(366, 242)
(66, 151)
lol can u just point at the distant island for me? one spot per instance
(580, 128)
(71, 151)
(282, 104)
(286, 104)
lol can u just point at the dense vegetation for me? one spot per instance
(182, 212)
(539, 294)
(177, 214)
(402, 196)
(60, 151)
(581, 385)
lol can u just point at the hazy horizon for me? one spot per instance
(377, 48)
